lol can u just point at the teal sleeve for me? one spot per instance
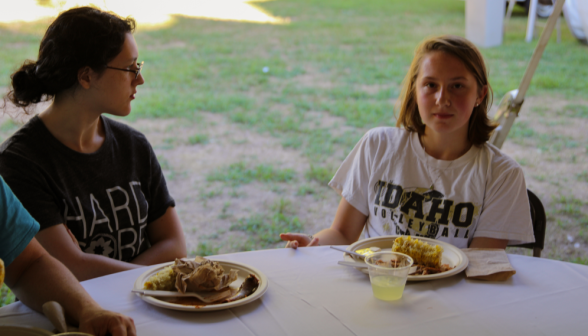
(17, 227)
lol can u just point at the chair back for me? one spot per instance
(539, 224)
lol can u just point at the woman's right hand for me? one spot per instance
(97, 321)
(295, 240)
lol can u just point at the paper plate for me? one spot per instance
(244, 271)
(451, 255)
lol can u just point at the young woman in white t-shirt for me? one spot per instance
(434, 175)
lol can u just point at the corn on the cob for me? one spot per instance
(421, 252)
(163, 280)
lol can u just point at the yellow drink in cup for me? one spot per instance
(388, 274)
(388, 288)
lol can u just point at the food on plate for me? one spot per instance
(368, 251)
(421, 252)
(424, 270)
(426, 257)
(195, 275)
(162, 280)
(202, 276)
(248, 287)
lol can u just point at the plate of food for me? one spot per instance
(201, 284)
(436, 259)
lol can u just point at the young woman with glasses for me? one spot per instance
(93, 184)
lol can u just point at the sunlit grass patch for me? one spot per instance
(239, 173)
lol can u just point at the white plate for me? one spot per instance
(451, 255)
(244, 271)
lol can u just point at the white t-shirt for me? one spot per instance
(388, 177)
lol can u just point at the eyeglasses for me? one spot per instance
(137, 72)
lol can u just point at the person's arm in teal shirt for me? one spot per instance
(36, 277)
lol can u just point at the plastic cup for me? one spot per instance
(388, 274)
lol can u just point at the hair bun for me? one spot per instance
(27, 87)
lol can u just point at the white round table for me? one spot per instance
(310, 294)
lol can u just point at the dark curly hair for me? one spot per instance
(79, 37)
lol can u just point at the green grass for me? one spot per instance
(353, 54)
(570, 211)
(304, 190)
(8, 125)
(263, 230)
(198, 139)
(204, 249)
(164, 163)
(204, 195)
(523, 134)
(583, 261)
(320, 174)
(521, 130)
(570, 206)
(259, 231)
(575, 111)
(239, 173)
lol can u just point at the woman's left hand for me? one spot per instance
(294, 240)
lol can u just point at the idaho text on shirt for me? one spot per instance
(422, 212)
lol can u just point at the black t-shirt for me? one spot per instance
(106, 198)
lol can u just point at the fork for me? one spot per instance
(204, 298)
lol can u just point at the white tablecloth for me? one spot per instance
(309, 294)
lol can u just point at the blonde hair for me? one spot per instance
(480, 127)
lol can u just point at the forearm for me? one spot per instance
(89, 266)
(163, 251)
(63, 288)
(58, 242)
(332, 236)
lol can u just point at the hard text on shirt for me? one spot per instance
(92, 217)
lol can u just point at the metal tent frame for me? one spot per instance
(511, 103)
